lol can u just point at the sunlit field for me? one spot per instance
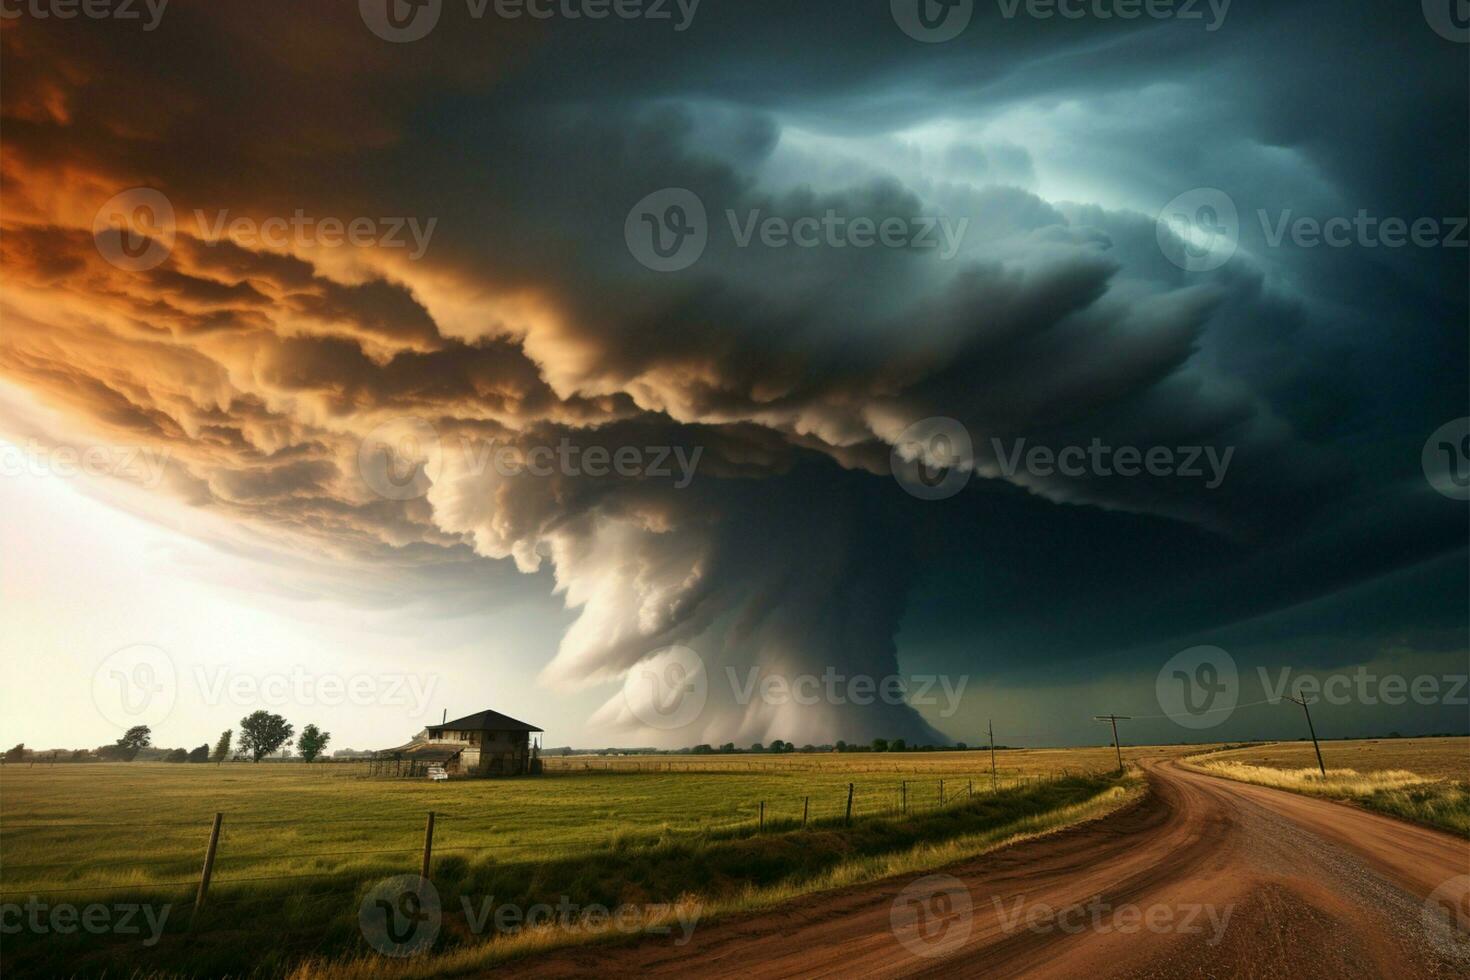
(1437, 758)
(1426, 780)
(301, 845)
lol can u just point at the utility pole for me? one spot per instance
(990, 729)
(1303, 702)
(1118, 746)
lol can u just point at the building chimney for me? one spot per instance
(444, 719)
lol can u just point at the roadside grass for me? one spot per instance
(709, 880)
(1439, 803)
(292, 913)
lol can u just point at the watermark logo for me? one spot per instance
(1199, 230)
(400, 21)
(401, 916)
(140, 464)
(135, 229)
(667, 690)
(1450, 19)
(1198, 687)
(90, 9)
(1446, 459)
(64, 918)
(933, 459)
(1364, 686)
(668, 230)
(134, 684)
(401, 458)
(1105, 10)
(1096, 915)
(932, 21)
(1449, 905)
(654, 919)
(834, 687)
(932, 916)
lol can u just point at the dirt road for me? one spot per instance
(1204, 878)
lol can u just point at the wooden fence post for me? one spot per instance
(204, 875)
(849, 805)
(941, 792)
(806, 805)
(763, 815)
(904, 789)
(428, 845)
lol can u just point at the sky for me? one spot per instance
(734, 371)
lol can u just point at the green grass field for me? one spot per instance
(300, 846)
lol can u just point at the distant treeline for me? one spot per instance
(776, 747)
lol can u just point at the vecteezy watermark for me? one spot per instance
(1450, 19)
(1199, 230)
(401, 916)
(933, 459)
(150, 12)
(652, 919)
(834, 687)
(301, 687)
(1364, 686)
(401, 21)
(136, 230)
(97, 919)
(134, 684)
(140, 464)
(1198, 687)
(1119, 10)
(311, 231)
(1446, 459)
(936, 21)
(1448, 907)
(1098, 916)
(668, 689)
(1362, 230)
(668, 230)
(932, 916)
(402, 458)
(1100, 459)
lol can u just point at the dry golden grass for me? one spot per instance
(1436, 758)
(1441, 801)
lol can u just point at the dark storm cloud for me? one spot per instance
(1056, 323)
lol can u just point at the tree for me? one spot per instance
(757, 747)
(222, 747)
(261, 733)
(133, 740)
(16, 754)
(898, 745)
(880, 745)
(312, 741)
(727, 749)
(841, 746)
(200, 754)
(177, 755)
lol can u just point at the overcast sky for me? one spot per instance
(1184, 299)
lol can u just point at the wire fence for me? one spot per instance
(229, 856)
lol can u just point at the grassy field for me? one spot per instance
(1435, 758)
(301, 846)
(1426, 780)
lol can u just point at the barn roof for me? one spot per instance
(488, 721)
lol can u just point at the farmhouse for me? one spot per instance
(486, 743)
